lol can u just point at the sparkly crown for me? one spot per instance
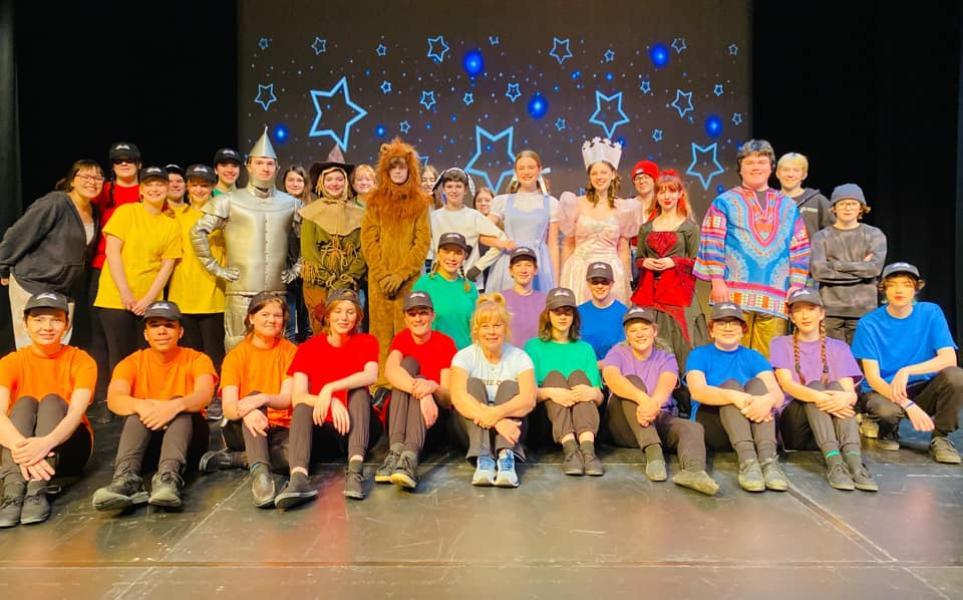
(601, 149)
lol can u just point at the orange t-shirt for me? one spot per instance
(25, 373)
(150, 377)
(253, 369)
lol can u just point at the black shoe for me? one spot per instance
(296, 492)
(572, 464)
(218, 460)
(215, 412)
(383, 474)
(406, 473)
(11, 504)
(36, 507)
(262, 486)
(593, 466)
(124, 491)
(354, 480)
(165, 490)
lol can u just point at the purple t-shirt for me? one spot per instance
(525, 311)
(620, 356)
(839, 360)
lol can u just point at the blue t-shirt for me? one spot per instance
(897, 343)
(719, 366)
(602, 327)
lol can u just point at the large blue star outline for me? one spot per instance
(609, 128)
(437, 54)
(340, 87)
(563, 45)
(480, 133)
(704, 178)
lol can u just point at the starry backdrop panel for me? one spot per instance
(472, 83)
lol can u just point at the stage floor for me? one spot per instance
(619, 536)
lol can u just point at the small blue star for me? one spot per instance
(480, 133)
(493, 40)
(737, 118)
(609, 55)
(385, 87)
(319, 45)
(404, 126)
(645, 87)
(468, 98)
(718, 90)
(733, 49)
(265, 95)
(679, 95)
(608, 128)
(263, 43)
(560, 123)
(558, 44)
(657, 135)
(678, 44)
(381, 50)
(704, 178)
(343, 139)
(427, 99)
(513, 92)
(437, 54)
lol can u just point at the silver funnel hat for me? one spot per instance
(263, 147)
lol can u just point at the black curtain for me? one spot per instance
(11, 204)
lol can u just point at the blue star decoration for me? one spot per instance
(733, 49)
(563, 45)
(427, 99)
(385, 87)
(404, 127)
(263, 43)
(645, 87)
(704, 156)
(480, 133)
(381, 50)
(718, 90)
(560, 123)
(609, 128)
(679, 95)
(341, 87)
(437, 54)
(737, 118)
(678, 44)
(265, 95)
(468, 98)
(609, 55)
(319, 45)
(656, 135)
(493, 40)
(513, 92)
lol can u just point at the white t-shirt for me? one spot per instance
(471, 224)
(472, 360)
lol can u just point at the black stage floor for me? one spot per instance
(619, 536)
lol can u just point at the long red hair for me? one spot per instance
(669, 180)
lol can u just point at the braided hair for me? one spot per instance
(823, 355)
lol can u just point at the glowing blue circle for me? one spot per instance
(720, 188)
(473, 63)
(280, 133)
(713, 126)
(380, 130)
(659, 54)
(609, 76)
(537, 106)
(576, 74)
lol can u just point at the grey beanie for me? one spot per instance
(848, 191)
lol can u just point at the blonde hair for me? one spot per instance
(794, 158)
(329, 308)
(490, 307)
(435, 266)
(364, 168)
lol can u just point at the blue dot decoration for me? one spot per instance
(473, 63)
(713, 126)
(609, 76)
(720, 188)
(280, 133)
(380, 130)
(659, 54)
(576, 74)
(537, 106)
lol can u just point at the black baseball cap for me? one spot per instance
(162, 309)
(805, 295)
(174, 168)
(901, 268)
(453, 238)
(47, 300)
(560, 297)
(418, 300)
(726, 310)
(153, 172)
(198, 171)
(225, 155)
(123, 150)
(523, 252)
(600, 270)
(342, 294)
(637, 313)
(262, 297)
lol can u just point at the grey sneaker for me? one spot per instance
(573, 463)
(593, 466)
(506, 476)
(124, 491)
(943, 451)
(354, 480)
(839, 478)
(696, 480)
(484, 471)
(263, 487)
(862, 478)
(868, 427)
(750, 476)
(296, 492)
(383, 474)
(888, 441)
(655, 470)
(775, 477)
(11, 504)
(165, 490)
(406, 473)
(36, 507)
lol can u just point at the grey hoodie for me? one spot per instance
(847, 283)
(814, 210)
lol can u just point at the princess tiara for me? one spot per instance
(601, 149)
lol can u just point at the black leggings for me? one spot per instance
(727, 428)
(34, 418)
(804, 427)
(181, 442)
(205, 333)
(478, 440)
(124, 332)
(309, 441)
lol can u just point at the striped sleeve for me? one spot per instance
(711, 259)
(798, 252)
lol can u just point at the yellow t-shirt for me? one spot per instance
(148, 240)
(194, 289)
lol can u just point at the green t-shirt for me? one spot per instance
(453, 306)
(564, 358)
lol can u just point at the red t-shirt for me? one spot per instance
(434, 355)
(122, 195)
(324, 363)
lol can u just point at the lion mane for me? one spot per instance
(405, 201)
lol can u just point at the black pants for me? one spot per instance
(181, 442)
(478, 440)
(310, 441)
(805, 427)
(405, 423)
(98, 342)
(271, 450)
(575, 420)
(205, 333)
(35, 419)
(124, 333)
(841, 328)
(686, 437)
(940, 397)
(727, 428)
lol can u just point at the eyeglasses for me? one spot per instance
(88, 177)
(124, 161)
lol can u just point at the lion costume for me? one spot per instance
(395, 238)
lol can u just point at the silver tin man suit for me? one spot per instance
(256, 224)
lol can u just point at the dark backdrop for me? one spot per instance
(871, 95)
